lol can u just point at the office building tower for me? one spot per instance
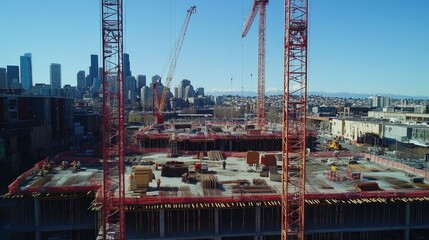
(26, 71)
(182, 86)
(93, 69)
(176, 92)
(141, 82)
(189, 92)
(155, 79)
(130, 88)
(12, 75)
(380, 101)
(146, 96)
(55, 74)
(80, 80)
(200, 92)
(127, 70)
(100, 74)
(3, 78)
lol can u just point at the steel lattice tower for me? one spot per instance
(294, 118)
(259, 6)
(113, 121)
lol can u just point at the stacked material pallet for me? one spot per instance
(215, 155)
(258, 181)
(269, 160)
(368, 186)
(140, 177)
(209, 181)
(168, 191)
(252, 157)
(35, 187)
(174, 169)
(254, 132)
(252, 189)
(238, 181)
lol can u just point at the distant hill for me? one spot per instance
(270, 92)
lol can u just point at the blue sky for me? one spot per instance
(363, 46)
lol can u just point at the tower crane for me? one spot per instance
(259, 7)
(113, 190)
(160, 103)
(294, 119)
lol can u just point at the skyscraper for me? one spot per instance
(141, 82)
(12, 74)
(200, 92)
(182, 87)
(127, 70)
(55, 73)
(100, 74)
(155, 79)
(26, 71)
(93, 69)
(80, 80)
(130, 88)
(3, 79)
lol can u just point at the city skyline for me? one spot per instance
(349, 51)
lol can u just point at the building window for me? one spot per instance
(13, 115)
(12, 104)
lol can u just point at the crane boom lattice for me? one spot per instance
(172, 68)
(259, 6)
(294, 119)
(113, 121)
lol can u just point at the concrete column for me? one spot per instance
(257, 220)
(407, 221)
(37, 218)
(216, 220)
(216, 224)
(161, 223)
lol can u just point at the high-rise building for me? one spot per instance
(3, 78)
(93, 69)
(155, 79)
(55, 74)
(189, 92)
(100, 74)
(380, 101)
(176, 92)
(127, 69)
(182, 86)
(130, 88)
(200, 92)
(26, 71)
(146, 96)
(80, 80)
(12, 75)
(141, 82)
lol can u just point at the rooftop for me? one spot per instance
(341, 178)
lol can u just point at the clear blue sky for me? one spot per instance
(363, 46)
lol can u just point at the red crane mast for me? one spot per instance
(259, 6)
(294, 119)
(113, 120)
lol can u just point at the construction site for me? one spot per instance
(222, 195)
(217, 179)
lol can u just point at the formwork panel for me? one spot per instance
(270, 218)
(237, 220)
(419, 213)
(367, 235)
(142, 224)
(189, 222)
(355, 215)
(66, 211)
